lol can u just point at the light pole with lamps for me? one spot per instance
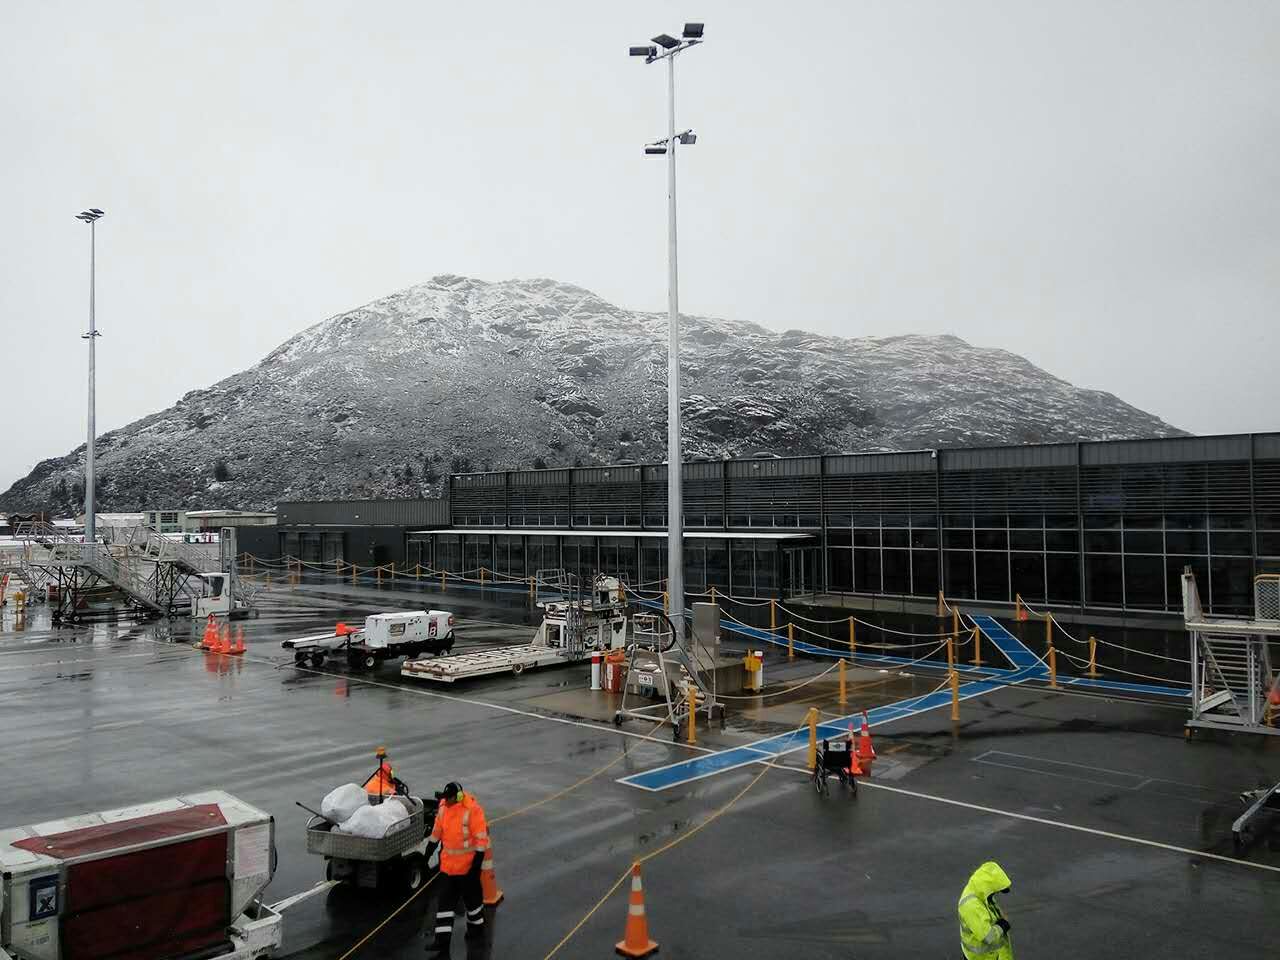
(670, 47)
(91, 217)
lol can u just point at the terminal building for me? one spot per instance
(1095, 525)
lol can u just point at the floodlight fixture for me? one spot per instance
(665, 41)
(655, 149)
(643, 51)
(693, 31)
(688, 138)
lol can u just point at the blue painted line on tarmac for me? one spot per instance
(1014, 649)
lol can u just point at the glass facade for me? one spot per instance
(1101, 525)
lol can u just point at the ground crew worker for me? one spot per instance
(463, 835)
(984, 932)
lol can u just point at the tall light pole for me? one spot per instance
(91, 217)
(670, 47)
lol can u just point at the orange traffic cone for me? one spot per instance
(488, 881)
(855, 768)
(210, 634)
(237, 648)
(636, 942)
(866, 752)
(224, 641)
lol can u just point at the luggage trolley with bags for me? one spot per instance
(401, 856)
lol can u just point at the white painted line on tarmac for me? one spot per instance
(1078, 828)
(74, 661)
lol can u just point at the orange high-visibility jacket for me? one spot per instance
(383, 781)
(462, 832)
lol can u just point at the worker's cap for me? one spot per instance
(451, 791)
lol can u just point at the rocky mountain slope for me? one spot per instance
(457, 374)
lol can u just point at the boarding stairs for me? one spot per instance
(1231, 671)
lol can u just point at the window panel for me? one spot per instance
(1186, 541)
(742, 554)
(957, 539)
(1061, 541)
(924, 572)
(1231, 544)
(866, 537)
(895, 538)
(1026, 540)
(1028, 575)
(1143, 541)
(840, 569)
(1232, 585)
(1063, 573)
(866, 571)
(992, 571)
(991, 539)
(1269, 544)
(958, 567)
(1104, 581)
(896, 571)
(839, 537)
(1097, 541)
(924, 537)
(1144, 582)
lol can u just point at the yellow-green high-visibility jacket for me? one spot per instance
(980, 937)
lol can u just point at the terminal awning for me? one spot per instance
(699, 534)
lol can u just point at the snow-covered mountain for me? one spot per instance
(457, 374)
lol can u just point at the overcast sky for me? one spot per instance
(1093, 185)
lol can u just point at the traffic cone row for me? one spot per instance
(210, 639)
(222, 642)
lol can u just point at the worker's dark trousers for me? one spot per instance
(466, 886)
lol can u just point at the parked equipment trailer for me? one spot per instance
(572, 628)
(384, 636)
(179, 877)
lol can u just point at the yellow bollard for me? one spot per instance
(942, 605)
(1053, 669)
(482, 576)
(417, 571)
(791, 641)
(1048, 630)
(955, 625)
(379, 576)
(268, 580)
(853, 639)
(443, 583)
(844, 699)
(977, 647)
(951, 654)
(691, 695)
(1017, 606)
(666, 603)
(955, 696)
(1093, 656)
(811, 718)
(773, 616)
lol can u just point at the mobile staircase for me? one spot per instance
(1232, 681)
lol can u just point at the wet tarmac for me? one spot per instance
(1115, 830)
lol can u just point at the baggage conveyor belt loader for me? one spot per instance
(178, 877)
(573, 626)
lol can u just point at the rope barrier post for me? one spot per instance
(379, 576)
(1093, 655)
(773, 616)
(666, 603)
(251, 564)
(691, 694)
(955, 696)
(337, 566)
(844, 698)
(713, 593)
(977, 646)
(443, 584)
(951, 654)
(853, 640)
(482, 576)
(1053, 669)
(955, 625)
(791, 641)
(1017, 606)
(942, 605)
(353, 574)
(811, 718)
(417, 571)
(531, 589)
(1048, 630)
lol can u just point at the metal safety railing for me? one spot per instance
(1266, 596)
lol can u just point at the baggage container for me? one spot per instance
(174, 878)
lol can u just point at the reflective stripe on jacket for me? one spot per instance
(980, 936)
(462, 832)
